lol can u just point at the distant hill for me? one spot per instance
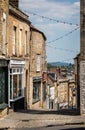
(59, 64)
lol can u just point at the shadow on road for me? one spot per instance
(81, 128)
(70, 112)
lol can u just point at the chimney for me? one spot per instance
(15, 2)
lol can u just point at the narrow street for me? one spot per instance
(40, 119)
(69, 127)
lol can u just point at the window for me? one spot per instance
(16, 83)
(26, 45)
(14, 40)
(44, 91)
(20, 41)
(2, 86)
(38, 63)
(4, 34)
(36, 91)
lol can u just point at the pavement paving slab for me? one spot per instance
(23, 119)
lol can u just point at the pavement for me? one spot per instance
(39, 118)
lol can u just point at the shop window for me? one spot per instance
(44, 91)
(2, 86)
(36, 91)
(17, 79)
(16, 83)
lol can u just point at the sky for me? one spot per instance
(59, 20)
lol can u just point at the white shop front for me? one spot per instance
(16, 83)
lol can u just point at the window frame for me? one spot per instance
(36, 91)
(16, 72)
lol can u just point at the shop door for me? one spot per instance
(3, 86)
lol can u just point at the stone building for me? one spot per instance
(3, 54)
(62, 90)
(77, 78)
(37, 67)
(18, 33)
(82, 57)
(66, 94)
(22, 58)
(72, 94)
(51, 91)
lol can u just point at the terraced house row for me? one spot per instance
(22, 59)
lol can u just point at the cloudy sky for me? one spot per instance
(58, 20)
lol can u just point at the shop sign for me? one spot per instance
(17, 62)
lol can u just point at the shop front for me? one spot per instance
(3, 84)
(16, 83)
(36, 92)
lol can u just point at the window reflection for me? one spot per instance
(16, 83)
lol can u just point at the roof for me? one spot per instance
(77, 56)
(15, 11)
(63, 80)
(35, 29)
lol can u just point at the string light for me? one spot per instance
(58, 21)
(62, 22)
(62, 49)
(64, 35)
(51, 19)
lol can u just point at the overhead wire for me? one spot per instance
(65, 60)
(63, 49)
(51, 19)
(70, 32)
(58, 21)
(61, 37)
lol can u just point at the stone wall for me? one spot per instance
(82, 57)
(3, 10)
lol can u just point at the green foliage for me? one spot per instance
(49, 65)
(68, 66)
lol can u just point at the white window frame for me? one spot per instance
(17, 71)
